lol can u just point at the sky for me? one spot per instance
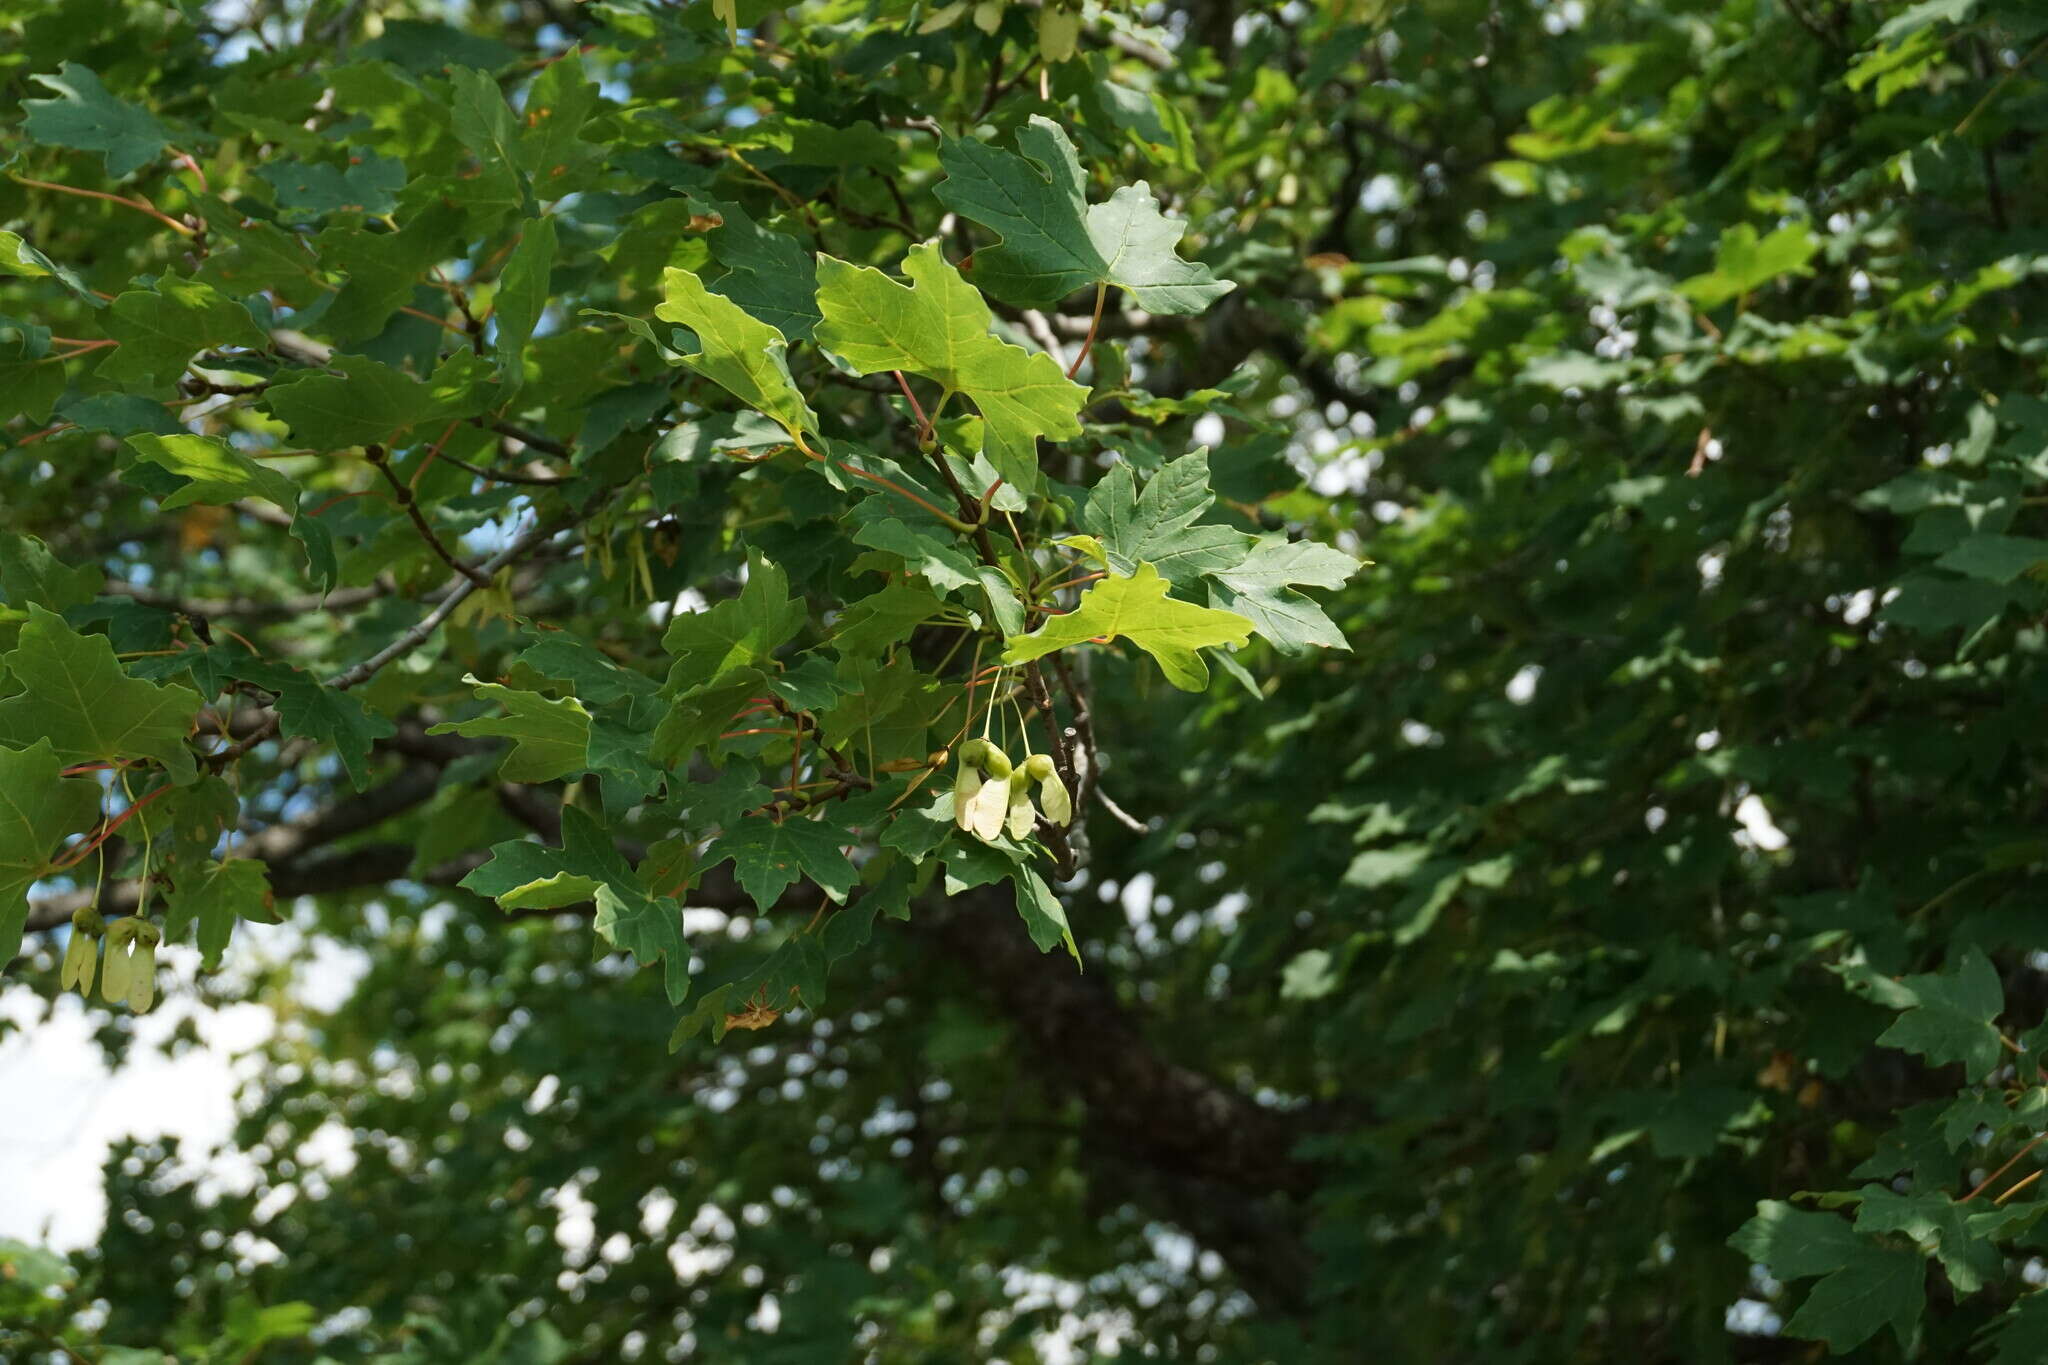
(66, 1107)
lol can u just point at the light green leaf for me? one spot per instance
(84, 116)
(38, 807)
(550, 738)
(78, 699)
(1260, 589)
(1743, 262)
(938, 327)
(1138, 609)
(17, 257)
(1054, 242)
(217, 473)
(737, 351)
(1044, 917)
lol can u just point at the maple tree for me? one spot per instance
(790, 585)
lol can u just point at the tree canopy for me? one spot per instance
(1016, 680)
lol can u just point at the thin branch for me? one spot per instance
(399, 490)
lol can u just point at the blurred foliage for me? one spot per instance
(1630, 939)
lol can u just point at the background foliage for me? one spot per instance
(1607, 933)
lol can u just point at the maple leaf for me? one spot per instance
(83, 115)
(1138, 609)
(768, 857)
(77, 698)
(550, 738)
(38, 807)
(938, 326)
(1054, 241)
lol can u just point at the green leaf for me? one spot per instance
(161, 329)
(1951, 1019)
(216, 894)
(17, 257)
(522, 297)
(2019, 1336)
(1883, 1285)
(368, 185)
(522, 875)
(938, 327)
(739, 633)
(1054, 242)
(307, 709)
(368, 402)
(550, 738)
(30, 573)
(84, 116)
(78, 699)
(1743, 262)
(1138, 609)
(482, 119)
(737, 351)
(768, 857)
(38, 807)
(1044, 916)
(1995, 558)
(767, 273)
(1159, 524)
(216, 473)
(873, 623)
(933, 555)
(592, 676)
(1260, 589)
(1940, 1225)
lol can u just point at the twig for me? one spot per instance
(1124, 817)
(545, 444)
(399, 490)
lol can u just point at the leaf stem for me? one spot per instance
(139, 205)
(1088, 342)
